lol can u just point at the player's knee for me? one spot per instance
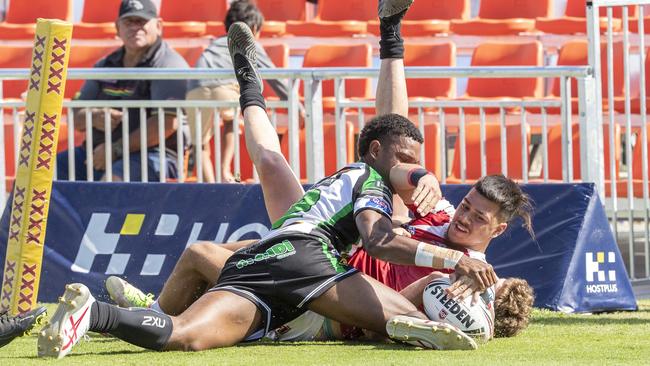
(196, 251)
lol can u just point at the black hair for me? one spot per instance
(386, 127)
(244, 11)
(508, 195)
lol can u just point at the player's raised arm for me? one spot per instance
(416, 185)
(380, 241)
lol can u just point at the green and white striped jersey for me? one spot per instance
(328, 209)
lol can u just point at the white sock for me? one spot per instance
(156, 307)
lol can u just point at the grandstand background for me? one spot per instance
(518, 126)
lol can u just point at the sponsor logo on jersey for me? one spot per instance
(600, 275)
(452, 306)
(278, 251)
(378, 203)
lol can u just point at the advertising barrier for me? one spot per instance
(139, 230)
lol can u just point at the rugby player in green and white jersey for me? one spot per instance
(297, 266)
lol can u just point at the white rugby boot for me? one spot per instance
(428, 334)
(69, 323)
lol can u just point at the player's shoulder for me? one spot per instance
(361, 173)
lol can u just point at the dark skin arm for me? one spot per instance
(381, 242)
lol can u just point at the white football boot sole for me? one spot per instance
(428, 334)
(69, 323)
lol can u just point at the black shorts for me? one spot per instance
(282, 274)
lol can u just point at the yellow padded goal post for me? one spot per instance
(35, 166)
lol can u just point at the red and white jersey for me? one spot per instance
(432, 229)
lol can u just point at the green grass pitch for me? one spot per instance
(552, 338)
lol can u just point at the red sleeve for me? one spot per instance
(438, 218)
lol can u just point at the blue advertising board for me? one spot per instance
(138, 231)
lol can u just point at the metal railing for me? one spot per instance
(629, 212)
(313, 79)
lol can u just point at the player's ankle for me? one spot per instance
(391, 44)
(250, 97)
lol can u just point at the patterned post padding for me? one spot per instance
(33, 186)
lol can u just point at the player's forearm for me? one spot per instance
(381, 242)
(384, 244)
(413, 292)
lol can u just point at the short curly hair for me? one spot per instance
(244, 11)
(385, 127)
(512, 307)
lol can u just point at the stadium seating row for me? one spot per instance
(196, 18)
(360, 55)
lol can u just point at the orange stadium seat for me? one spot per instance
(634, 19)
(492, 152)
(502, 17)
(279, 54)
(576, 53)
(215, 29)
(359, 55)
(555, 151)
(84, 57)
(191, 54)
(426, 18)
(14, 57)
(97, 20)
(187, 18)
(329, 136)
(505, 54)
(430, 54)
(277, 13)
(574, 21)
(334, 20)
(20, 22)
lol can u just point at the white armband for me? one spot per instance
(428, 255)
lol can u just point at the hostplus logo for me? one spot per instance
(97, 241)
(600, 273)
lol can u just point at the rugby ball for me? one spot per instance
(475, 321)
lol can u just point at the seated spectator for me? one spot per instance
(216, 56)
(140, 30)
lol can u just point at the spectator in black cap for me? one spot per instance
(140, 29)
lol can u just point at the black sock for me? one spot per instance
(391, 44)
(251, 97)
(142, 327)
(249, 89)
